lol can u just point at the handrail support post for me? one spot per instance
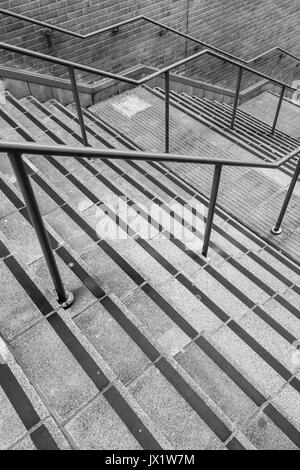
(64, 297)
(277, 229)
(278, 109)
(78, 106)
(211, 208)
(167, 112)
(237, 96)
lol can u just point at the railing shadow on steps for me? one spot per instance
(15, 152)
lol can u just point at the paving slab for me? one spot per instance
(11, 427)
(217, 385)
(68, 230)
(107, 273)
(190, 307)
(167, 334)
(219, 294)
(270, 339)
(120, 352)
(98, 427)
(18, 312)
(21, 407)
(182, 426)
(247, 361)
(283, 316)
(54, 371)
(19, 234)
(287, 401)
(24, 444)
(247, 286)
(265, 435)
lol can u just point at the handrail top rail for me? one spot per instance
(150, 20)
(86, 68)
(67, 63)
(77, 152)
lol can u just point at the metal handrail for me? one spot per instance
(150, 20)
(90, 152)
(72, 66)
(16, 151)
(215, 52)
(210, 50)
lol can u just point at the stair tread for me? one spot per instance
(146, 356)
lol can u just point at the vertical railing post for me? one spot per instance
(64, 298)
(276, 230)
(211, 208)
(167, 112)
(237, 96)
(278, 109)
(78, 106)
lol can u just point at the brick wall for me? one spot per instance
(243, 27)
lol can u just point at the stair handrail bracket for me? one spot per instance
(209, 50)
(99, 31)
(241, 64)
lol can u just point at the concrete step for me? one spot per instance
(25, 421)
(141, 276)
(68, 373)
(199, 409)
(263, 107)
(261, 145)
(239, 143)
(180, 278)
(115, 187)
(89, 321)
(279, 136)
(281, 143)
(266, 188)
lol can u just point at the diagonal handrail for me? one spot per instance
(90, 152)
(16, 151)
(86, 68)
(149, 20)
(72, 66)
(210, 50)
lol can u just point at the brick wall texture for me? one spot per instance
(242, 27)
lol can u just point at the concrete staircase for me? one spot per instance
(252, 196)
(249, 132)
(161, 349)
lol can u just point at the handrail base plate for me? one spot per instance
(276, 231)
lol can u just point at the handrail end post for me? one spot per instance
(65, 298)
(211, 209)
(276, 230)
(66, 302)
(167, 112)
(204, 255)
(237, 96)
(281, 97)
(78, 106)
